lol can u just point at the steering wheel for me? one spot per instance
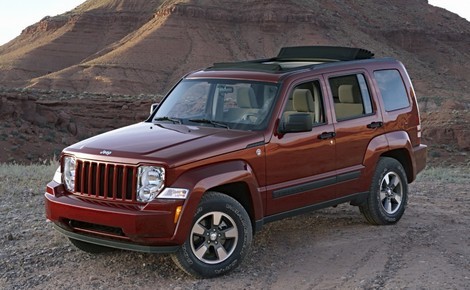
(249, 117)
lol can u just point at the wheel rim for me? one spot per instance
(391, 192)
(214, 237)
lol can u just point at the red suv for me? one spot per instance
(238, 145)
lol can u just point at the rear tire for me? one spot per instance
(388, 193)
(90, 248)
(219, 238)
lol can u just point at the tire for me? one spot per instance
(89, 247)
(388, 194)
(220, 237)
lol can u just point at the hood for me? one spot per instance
(172, 144)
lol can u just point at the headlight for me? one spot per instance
(57, 176)
(150, 182)
(69, 173)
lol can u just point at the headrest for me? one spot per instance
(246, 97)
(303, 101)
(345, 94)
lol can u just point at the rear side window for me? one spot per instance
(392, 89)
(351, 96)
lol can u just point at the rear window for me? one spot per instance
(392, 89)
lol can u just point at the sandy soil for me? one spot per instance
(328, 249)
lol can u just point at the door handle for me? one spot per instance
(326, 135)
(374, 125)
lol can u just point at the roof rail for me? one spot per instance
(323, 53)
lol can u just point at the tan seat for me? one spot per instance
(348, 106)
(246, 105)
(246, 98)
(302, 102)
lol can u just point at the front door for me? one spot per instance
(301, 166)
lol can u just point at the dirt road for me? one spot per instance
(328, 249)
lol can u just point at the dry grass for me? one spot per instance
(446, 174)
(15, 178)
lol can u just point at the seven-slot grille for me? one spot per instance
(106, 181)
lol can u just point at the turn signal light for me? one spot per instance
(177, 213)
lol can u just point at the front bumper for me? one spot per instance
(144, 228)
(116, 244)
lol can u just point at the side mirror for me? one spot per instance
(295, 122)
(153, 107)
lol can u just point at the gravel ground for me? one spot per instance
(328, 249)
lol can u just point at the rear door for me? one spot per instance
(357, 120)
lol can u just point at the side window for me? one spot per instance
(351, 96)
(392, 89)
(306, 98)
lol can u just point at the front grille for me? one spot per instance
(106, 181)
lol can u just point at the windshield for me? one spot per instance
(219, 103)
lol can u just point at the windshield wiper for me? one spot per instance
(174, 120)
(207, 121)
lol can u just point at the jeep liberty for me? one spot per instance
(237, 145)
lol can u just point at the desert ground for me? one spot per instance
(328, 249)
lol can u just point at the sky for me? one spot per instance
(14, 17)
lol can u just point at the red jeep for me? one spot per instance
(238, 145)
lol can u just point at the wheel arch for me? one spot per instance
(234, 178)
(241, 193)
(401, 148)
(395, 145)
(402, 155)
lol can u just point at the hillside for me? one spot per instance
(135, 47)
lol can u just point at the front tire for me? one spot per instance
(388, 193)
(219, 238)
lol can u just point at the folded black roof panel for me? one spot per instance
(323, 53)
(296, 58)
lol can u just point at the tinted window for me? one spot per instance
(351, 96)
(392, 89)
